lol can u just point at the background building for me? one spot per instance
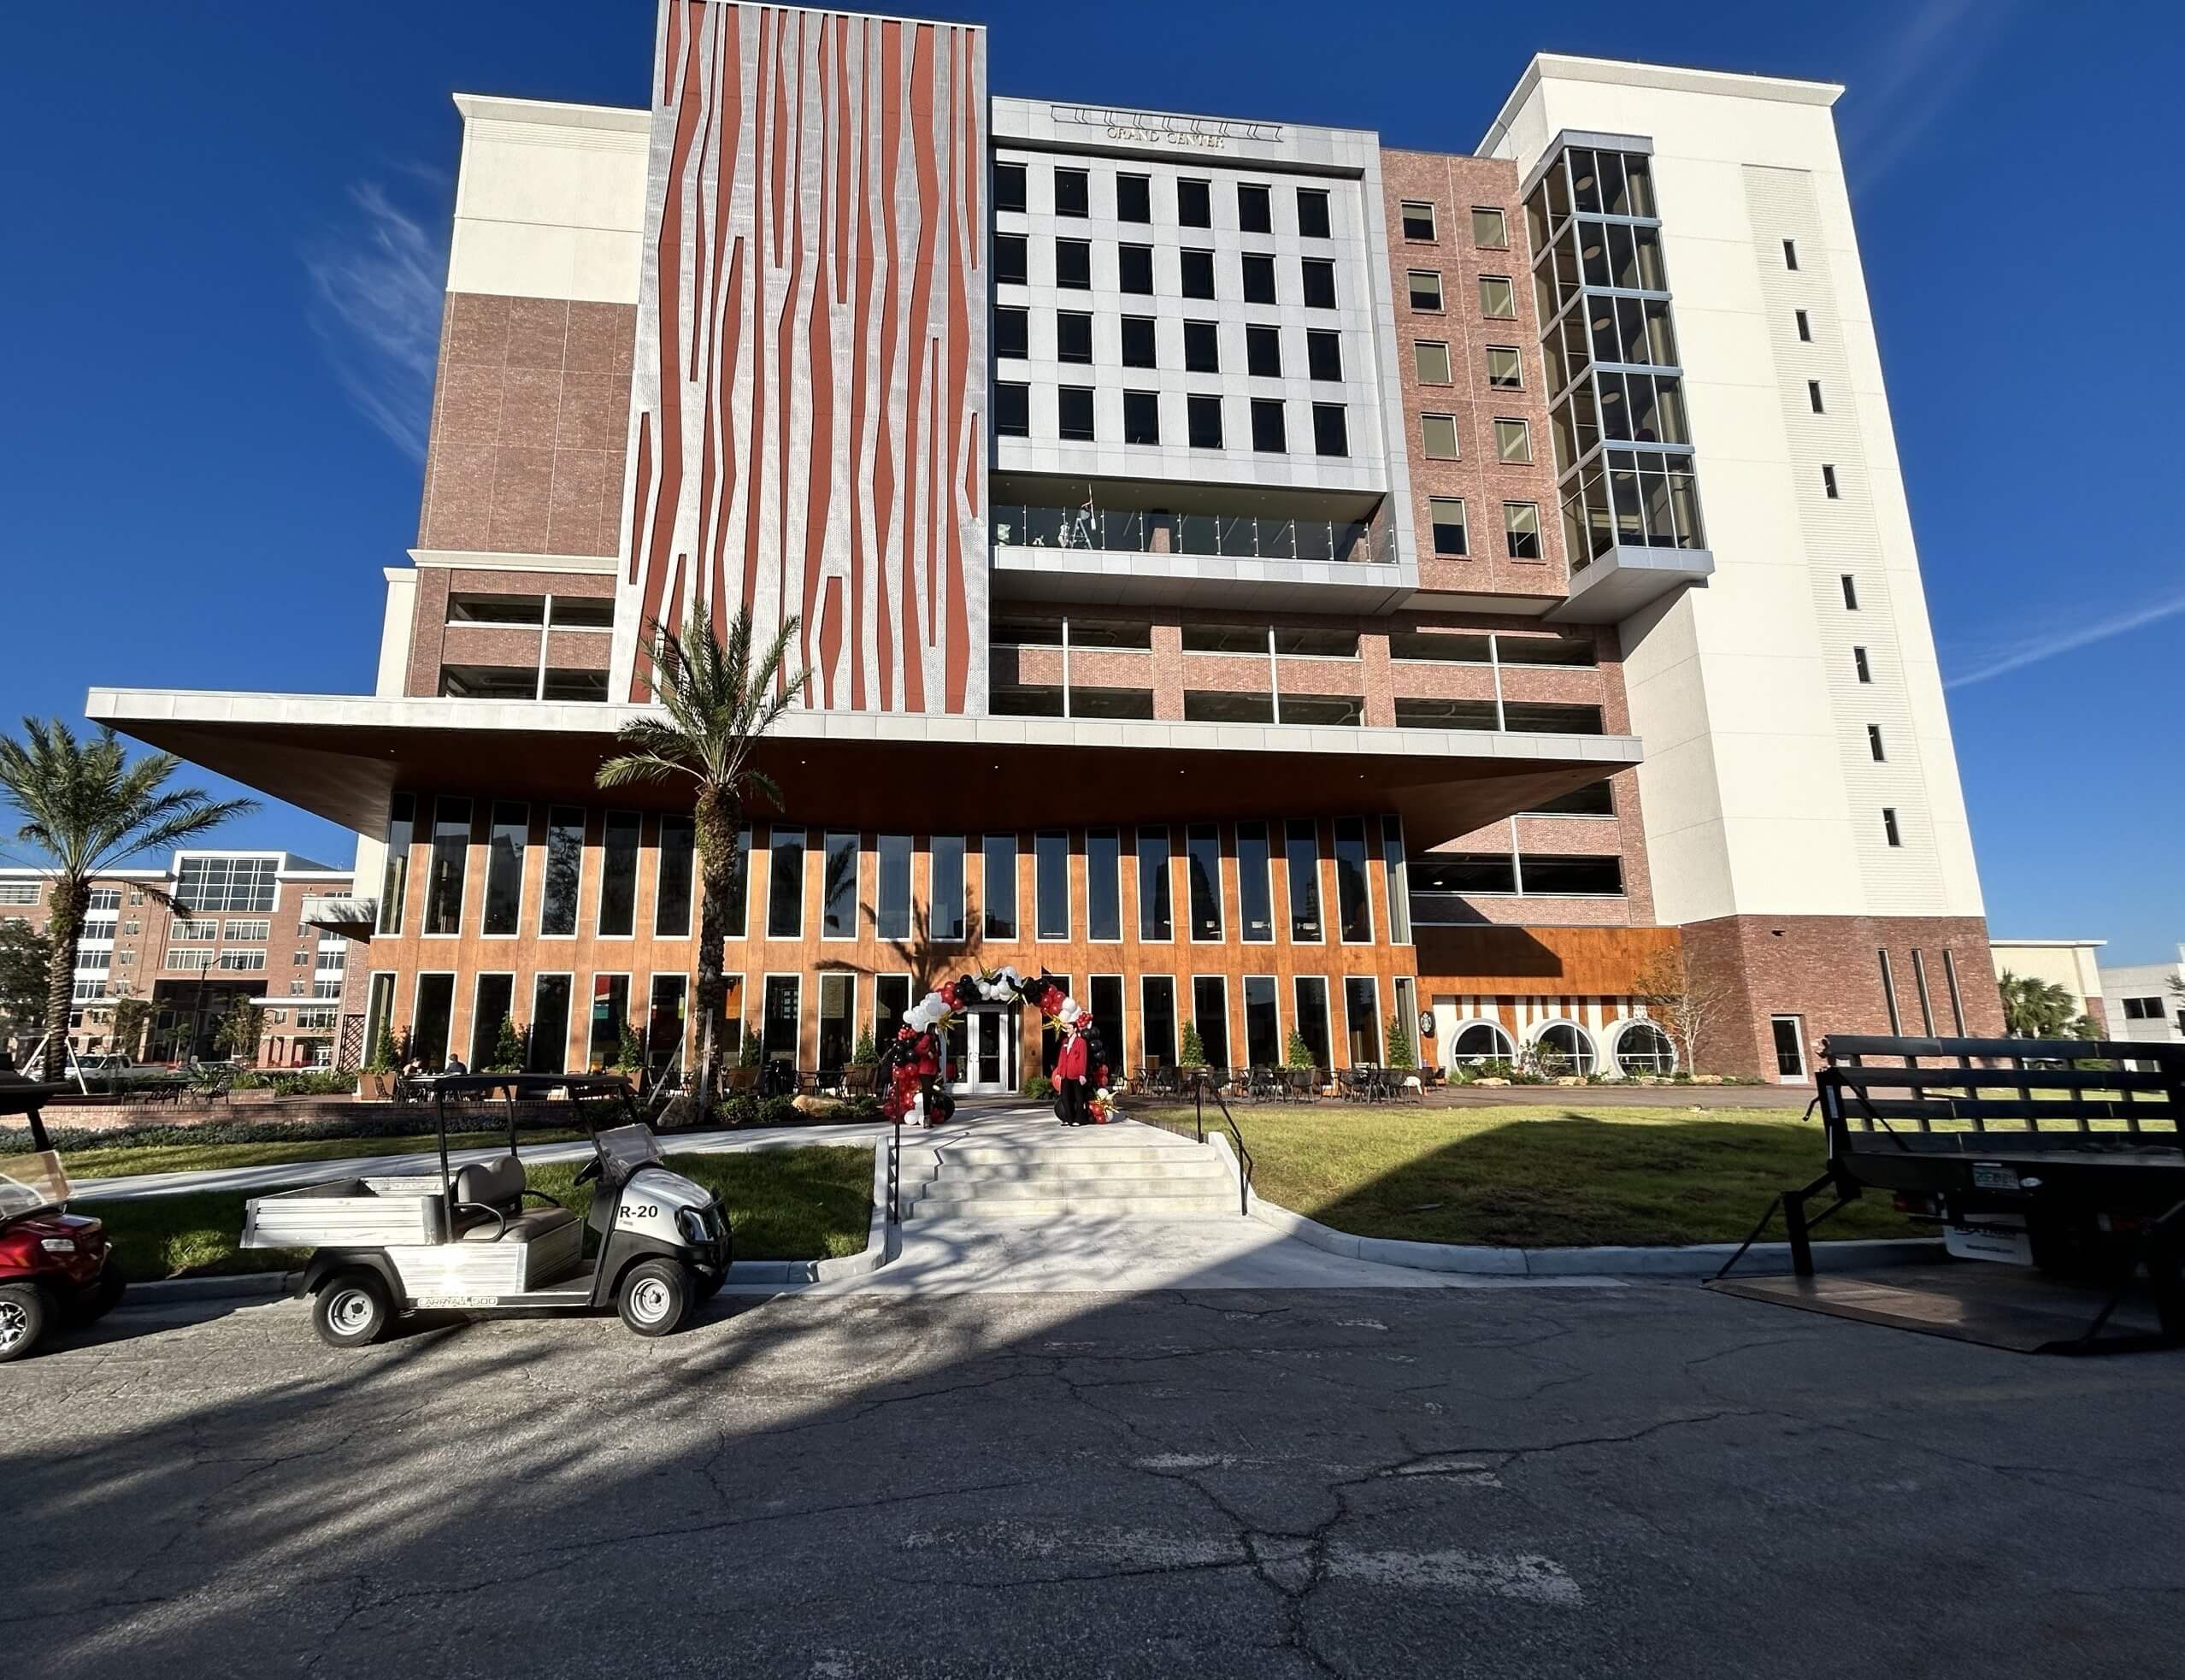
(2143, 1001)
(1283, 584)
(2070, 963)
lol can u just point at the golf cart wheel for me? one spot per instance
(22, 1320)
(351, 1310)
(656, 1297)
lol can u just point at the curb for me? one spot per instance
(161, 1291)
(1698, 1260)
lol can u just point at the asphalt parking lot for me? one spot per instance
(1643, 1481)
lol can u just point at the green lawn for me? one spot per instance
(1552, 1175)
(122, 1162)
(797, 1203)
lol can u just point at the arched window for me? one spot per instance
(1643, 1047)
(1564, 1048)
(1482, 1041)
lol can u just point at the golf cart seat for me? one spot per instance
(489, 1204)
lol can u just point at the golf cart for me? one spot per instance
(464, 1239)
(56, 1266)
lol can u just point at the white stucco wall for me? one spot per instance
(551, 201)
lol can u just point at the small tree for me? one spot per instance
(1193, 1052)
(2034, 1008)
(508, 1047)
(241, 1027)
(747, 1047)
(130, 1016)
(1298, 1053)
(1401, 1055)
(629, 1054)
(384, 1056)
(1685, 1004)
(866, 1054)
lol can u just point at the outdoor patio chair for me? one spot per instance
(858, 1081)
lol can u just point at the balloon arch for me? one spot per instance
(913, 1056)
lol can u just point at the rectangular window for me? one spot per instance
(1418, 219)
(1196, 271)
(1362, 1019)
(558, 902)
(1264, 352)
(1104, 996)
(495, 995)
(504, 850)
(610, 1010)
(1073, 193)
(429, 1024)
(1312, 214)
(1873, 743)
(547, 1048)
(1073, 336)
(1490, 228)
(1134, 270)
(1353, 902)
(379, 1010)
(1223, 706)
(1158, 1012)
(780, 1018)
(1138, 342)
(891, 1002)
(1268, 437)
(1446, 514)
(1156, 903)
(671, 893)
(947, 916)
(1255, 209)
(892, 906)
(1505, 368)
(1850, 591)
(1438, 436)
(1324, 356)
(1011, 264)
(1813, 396)
(1425, 288)
(1861, 667)
(1312, 1025)
(997, 881)
(1889, 829)
(1262, 1022)
(1012, 410)
(618, 859)
(1330, 435)
(1134, 198)
(1430, 362)
(445, 873)
(1790, 253)
(1828, 482)
(838, 1024)
(1203, 415)
(839, 886)
(785, 883)
(1202, 347)
(1513, 443)
(1074, 265)
(1301, 856)
(666, 1017)
(1051, 884)
(1103, 884)
(1319, 281)
(1497, 297)
(1255, 895)
(1012, 332)
(1074, 413)
(1398, 880)
(735, 911)
(1210, 1014)
(1009, 186)
(1804, 327)
(1194, 202)
(1141, 417)
(1203, 870)
(1520, 530)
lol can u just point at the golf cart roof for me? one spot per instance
(525, 1084)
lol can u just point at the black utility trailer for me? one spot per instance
(2060, 1155)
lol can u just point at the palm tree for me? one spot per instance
(718, 703)
(2036, 1008)
(89, 810)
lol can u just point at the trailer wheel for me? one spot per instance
(350, 1310)
(2070, 1247)
(23, 1315)
(655, 1297)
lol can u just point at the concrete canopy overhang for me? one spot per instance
(341, 757)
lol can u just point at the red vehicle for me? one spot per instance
(56, 1267)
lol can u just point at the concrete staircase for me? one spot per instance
(1124, 1170)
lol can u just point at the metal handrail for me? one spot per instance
(1244, 1155)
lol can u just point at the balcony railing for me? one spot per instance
(1230, 536)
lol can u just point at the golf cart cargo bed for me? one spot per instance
(348, 1213)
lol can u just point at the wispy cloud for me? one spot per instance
(2002, 658)
(1921, 70)
(378, 280)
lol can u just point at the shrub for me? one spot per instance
(629, 1052)
(1036, 1084)
(866, 1054)
(508, 1041)
(1193, 1052)
(382, 1058)
(1298, 1053)
(747, 1049)
(1401, 1052)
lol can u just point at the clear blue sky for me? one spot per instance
(224, 222)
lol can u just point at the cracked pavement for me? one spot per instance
(1643, 1481)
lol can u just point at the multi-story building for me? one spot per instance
(1283, 584)
(190, 939)
(2071, 964)
(2145, 1002)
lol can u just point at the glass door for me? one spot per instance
(988, 1060)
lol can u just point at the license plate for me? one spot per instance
(1987, 1176)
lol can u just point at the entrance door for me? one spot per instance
(989, 1060)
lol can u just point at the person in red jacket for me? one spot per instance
(1072, 1070)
